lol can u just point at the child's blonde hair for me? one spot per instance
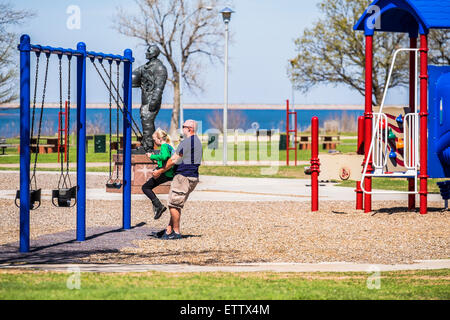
(163, 135)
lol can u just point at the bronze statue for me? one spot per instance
(151, 78)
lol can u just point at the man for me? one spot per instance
(188, 158)
(151, 78)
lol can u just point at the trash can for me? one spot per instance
(282, 142)
(213, 141)
(100, 144)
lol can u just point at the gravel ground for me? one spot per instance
(49, 181)
(232, 232)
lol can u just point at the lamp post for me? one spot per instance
(226, 15)
(180, 63)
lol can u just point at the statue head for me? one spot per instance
(152, 52)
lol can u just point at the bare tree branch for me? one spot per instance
(201, 35)
(9, 17)
(331, 52)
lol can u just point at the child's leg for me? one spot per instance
(152, 183)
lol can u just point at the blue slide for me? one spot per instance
(439, 122)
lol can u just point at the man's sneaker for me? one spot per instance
(158, 234)
(172, 236)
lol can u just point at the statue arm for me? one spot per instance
(136, 78)
(160, 82)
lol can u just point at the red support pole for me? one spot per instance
(287, 133)
(295, 137)
(412, 109)
(423, 122)
(360, 150)
(315, 164)
(359, 196)
(368, 122)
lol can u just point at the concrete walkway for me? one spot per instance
(214, 188)
(247, 267)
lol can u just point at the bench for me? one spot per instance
(4, 146)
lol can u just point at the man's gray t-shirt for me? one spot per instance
(190, 150)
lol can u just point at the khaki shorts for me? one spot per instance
(180, 189)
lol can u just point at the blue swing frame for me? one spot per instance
(25, 47)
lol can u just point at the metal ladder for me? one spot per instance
(378, 150)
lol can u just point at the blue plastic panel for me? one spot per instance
(439, 122)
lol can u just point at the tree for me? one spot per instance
(331, 52)
(8, 42)
(236, 120)
(440, 47)
(160, 22)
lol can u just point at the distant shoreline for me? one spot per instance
(213, 106)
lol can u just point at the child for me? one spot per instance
(162, 140)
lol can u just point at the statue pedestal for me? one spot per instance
(141, 171)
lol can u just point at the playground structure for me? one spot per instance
(422, 142)
(29, 197)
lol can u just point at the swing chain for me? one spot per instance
(68, 119)
(33, 177)
(115, 182)
(117, 125)
(110, 121)
(61, 177)
(38, 55)
(117, 100)
(120, 98)
(65, 176)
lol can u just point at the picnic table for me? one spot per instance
(329, 142)
(50, 146)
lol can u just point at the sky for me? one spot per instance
(263, 42)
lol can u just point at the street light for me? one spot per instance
(209, 8)
(226, 15)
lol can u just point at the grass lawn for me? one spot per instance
(393, 184)
(431, 284)
(244, 152)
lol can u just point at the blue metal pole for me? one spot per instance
(127, 140)
(81, 143)
(25, 49)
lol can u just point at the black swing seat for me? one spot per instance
(63, 197)
(114, 185)
(35, 199)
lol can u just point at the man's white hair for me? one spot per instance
(192, 123)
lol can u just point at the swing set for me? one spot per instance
(67, 195)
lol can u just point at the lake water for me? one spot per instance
(98, 119)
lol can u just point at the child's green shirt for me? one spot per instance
(166, 152)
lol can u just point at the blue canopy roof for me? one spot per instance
(410, 16)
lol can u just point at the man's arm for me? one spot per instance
(160, 74)
(169, 164)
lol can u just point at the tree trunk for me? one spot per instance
(175, 120)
